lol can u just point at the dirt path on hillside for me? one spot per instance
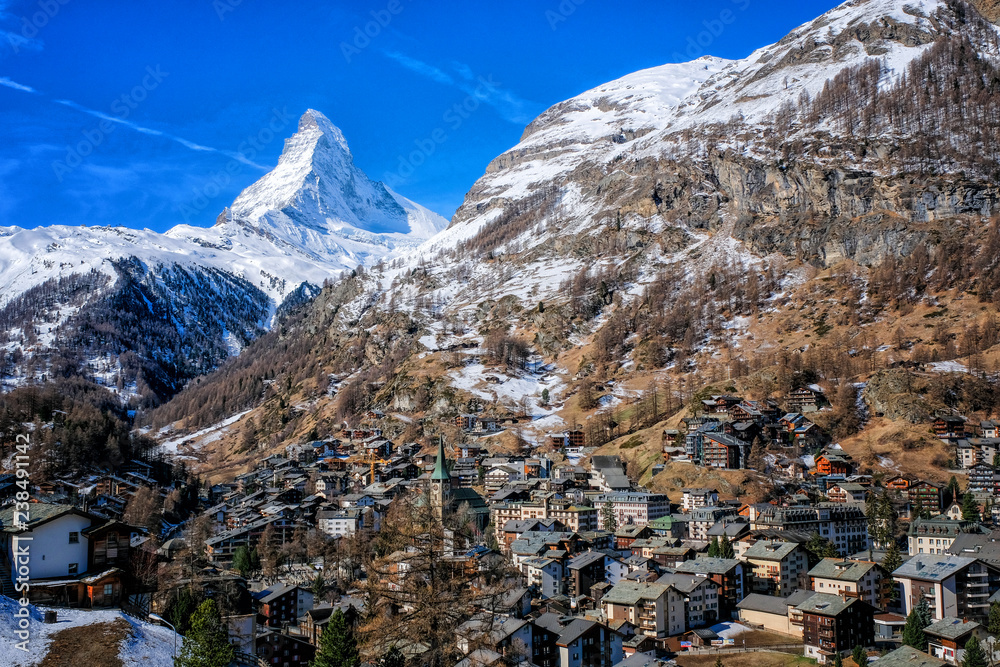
(88, 646)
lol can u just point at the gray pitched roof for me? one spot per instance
(630, 592)
(707, 565)
(585, 559)
(573, 631)
(825, 604)
(907, 656)
(841, 569)
(766, 603)
(932, 567)
(950, 627)
(766, 550)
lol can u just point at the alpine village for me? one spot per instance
(704, 371)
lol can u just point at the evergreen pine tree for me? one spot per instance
(207, 643)
(913, 631)
(318, 585)
(608, 519)
(993, 620)
(338, 647)
(924, 613)
(241, 561)
(837, 660)
(726, 549)
(970, 509)
(975, 656)
(713, 548)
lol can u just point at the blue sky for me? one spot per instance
(148, 114)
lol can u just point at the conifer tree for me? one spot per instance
(726, 549)
(975, 656)
(338, 647)
(913, 631)
(608, 519)
(952, 491)
(713, 548)
(993, 620)
(241, 561)
(970, 509)
(207, 642)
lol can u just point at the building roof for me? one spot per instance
(583, 560)
(573, 631)
(685, 583)
(38, 514)
(769, 604)
(707, 565)
(825, 604)
(932, 567)
(950, 627)
(631, 592)
(274, 592)
(841, 569)
(907, 656)
(767, 550)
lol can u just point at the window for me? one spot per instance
(73, 567)
(109, 589)
(74, 537)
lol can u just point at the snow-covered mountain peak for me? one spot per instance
(316, 189)
(313, 121)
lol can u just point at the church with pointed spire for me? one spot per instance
(440, 485)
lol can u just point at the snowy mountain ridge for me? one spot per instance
(185, 299)
(644, 115)
(314, 215)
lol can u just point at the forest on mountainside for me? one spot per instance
(152, 329)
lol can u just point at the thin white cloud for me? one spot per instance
(239, 157)
(4, 81)
(421, 68)
(139, 128)
(510, 106)
(157, 133)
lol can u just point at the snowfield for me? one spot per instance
(148, 645)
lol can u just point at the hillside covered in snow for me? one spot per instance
(192, 296)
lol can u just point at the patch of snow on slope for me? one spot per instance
(202, 437)
(148, 646)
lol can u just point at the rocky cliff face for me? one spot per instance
(693, 146)
(989, 9)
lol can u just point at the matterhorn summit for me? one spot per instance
(316, 189)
